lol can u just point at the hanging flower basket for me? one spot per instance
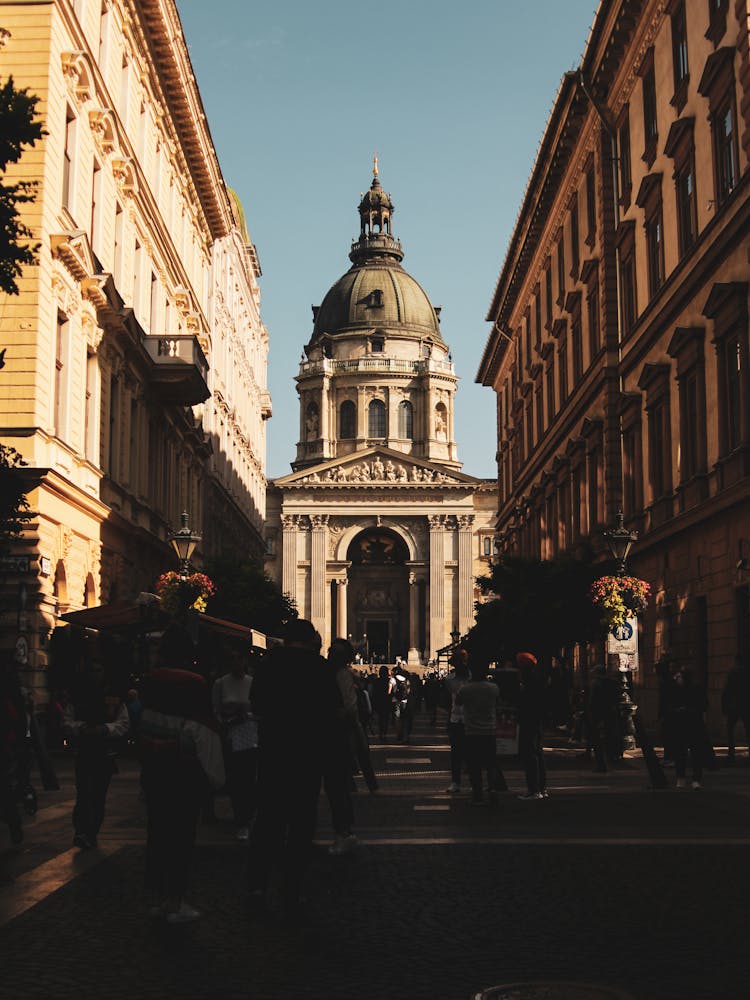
(618, 598)
(180, 594)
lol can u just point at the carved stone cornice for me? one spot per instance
(78, 75)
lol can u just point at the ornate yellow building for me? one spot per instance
(377, 534)
(135, 374)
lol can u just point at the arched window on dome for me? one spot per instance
(376, 419)
(406, 421)
(347, 420)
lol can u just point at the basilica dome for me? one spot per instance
(376, 293)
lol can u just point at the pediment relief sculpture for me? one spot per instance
(378, 471)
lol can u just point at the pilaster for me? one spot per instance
(318, 550)
(289, 528)
(437, 583)
(465, 575)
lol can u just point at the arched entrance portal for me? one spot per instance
(378, 594)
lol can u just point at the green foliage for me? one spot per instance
(245, 594)
(18, 130)
(15, 512)
(540, 605)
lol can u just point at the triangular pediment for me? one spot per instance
(377, 467)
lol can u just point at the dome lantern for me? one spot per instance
(375, 233)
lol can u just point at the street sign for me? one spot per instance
(622, 641)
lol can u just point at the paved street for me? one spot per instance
(606, 882)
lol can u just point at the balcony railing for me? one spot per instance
(328, 366)
(179, 369)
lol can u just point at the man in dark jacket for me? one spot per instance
(296, 699)
(531, 709)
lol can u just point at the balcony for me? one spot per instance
(328, 366)
(179, 370)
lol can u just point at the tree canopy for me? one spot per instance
(18, 130)
(15, 512)
(246, 594)
(538, 605)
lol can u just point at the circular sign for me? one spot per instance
(623, 632)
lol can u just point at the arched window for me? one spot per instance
(347, 420)
(376, 419)
(406, 420)
(488, 546)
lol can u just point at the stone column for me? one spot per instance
(318, 552)
(438, 628)
(341, 590)
(465, 574)
(361, 413)
(289, 524)
(413, 658)
(325, 414)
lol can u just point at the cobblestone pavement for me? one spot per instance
(606, 882)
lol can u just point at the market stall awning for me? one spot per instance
(127, 617)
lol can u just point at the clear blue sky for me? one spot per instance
(454, 96)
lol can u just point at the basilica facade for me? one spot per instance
(377, 534)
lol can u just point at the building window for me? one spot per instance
(730, 390)
(561, 269)
(550, 378)
(650, 123)
(62, 349)
(717, 20)
(548, 292)
(562, 355)
(539, 397)
(593, 464)
(406, 420)
(686, 347)
(654, 381)
(527, 328)
(725, 150)
(718, 86)
(649, 199)
(114, 425)
(376, 419)
(680, 68)
(628, 290)
(658, 444)
(96, 208)
(91, 409)
(574, 238)
(590, 206)
(576, 338)
(377, 345)
(623, 148)
(529, 427)
(137, 264)
(69, 160)
(592, 308)
(538, 317)
(687, 220)
(630, 476)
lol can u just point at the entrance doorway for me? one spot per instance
(379, 640)
(378, 594)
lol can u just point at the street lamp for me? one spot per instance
(455, 636)
(184, 542)
(620, 542)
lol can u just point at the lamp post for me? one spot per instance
(455, 636)
(620, 541)
(184, 542)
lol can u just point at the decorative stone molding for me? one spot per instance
(104, 130)
(436, 521)
(378, 471)
(124, 173)
(78, 74)
(92, 290)
(72, 248)
(318, 521)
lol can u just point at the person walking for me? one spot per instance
(531, 710)
(735, 704)
(230, 698)
(479, 699)
(12, 740)
(684, 707)
(338, 766)
(603, 718)
(96, 721)
(295, 696)
(456, 732)
(180, 753)
(383, 689)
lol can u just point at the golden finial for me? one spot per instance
(375, 164)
